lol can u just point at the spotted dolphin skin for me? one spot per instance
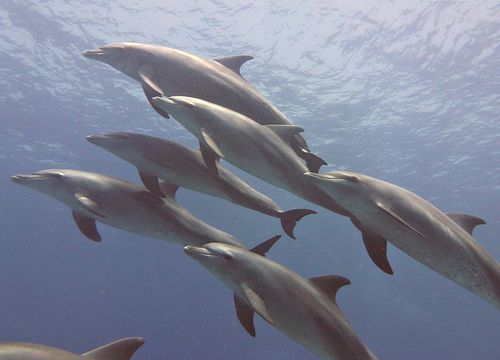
(260, 150)
(95, 197)
(179, 166)
(386, 212)
(122, 349)
(305, 310)
(166, 71)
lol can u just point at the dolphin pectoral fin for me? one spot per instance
(398, 218)
(151, 94)
(151, 183)
(168, 189)
(212, 143)
(264, 247)
(90, 205)
(377, 250)
(151, 89)
(87, 226)
(289, 219)
(118, 350)
(257, 303)
(330, 284)
(466, 222)
(285, 132)
(234, 63)
(209, 157)
(244, 313)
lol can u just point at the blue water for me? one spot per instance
(409, 93)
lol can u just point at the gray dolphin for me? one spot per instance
(305, 310)
(179, 166)
(260, 150)
(119, 350)
(95, 197)
(386, 212)
(166, 71)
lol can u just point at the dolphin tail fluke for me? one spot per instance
(119, 350)
(290, 218)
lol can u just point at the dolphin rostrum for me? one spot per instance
(95, 197)
(385, 212)
(179, 166)
(119, 350)
(166, 71)
(260, 150)
(305, 310)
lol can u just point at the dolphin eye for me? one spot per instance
(352, 178)
(227, 257)
(55, 175)
(120, 136)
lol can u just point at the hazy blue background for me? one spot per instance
(409, 93)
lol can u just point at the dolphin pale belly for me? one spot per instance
(166, 71)
(95, 197)
(305, 310)
(443, 242)
(179, 166)
(257, 149)
(122, 349)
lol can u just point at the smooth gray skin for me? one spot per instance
(384, 210)
(119, 350)
(294, 305)
(166, 71)
(183, 167)
(123, 205)
(252, 147)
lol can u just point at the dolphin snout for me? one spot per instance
(22, 178)
(91, 54)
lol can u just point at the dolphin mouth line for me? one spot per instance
(194, 250)
(321, 176)
(92, 53)
(162, 100)
(27, 177)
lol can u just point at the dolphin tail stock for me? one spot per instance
(290, 218)
(118, 350)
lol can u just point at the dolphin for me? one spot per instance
(305, 310)
(95, 197)
(179, 166)
(119, 350)
(166, 71)
(260, 150)
(385, 212)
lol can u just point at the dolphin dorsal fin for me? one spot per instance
(285, 132)
(119, 350)
(264, 247)
(466, 222)
(257, 303)
(330, 284)
(90, 205)
(234, 63)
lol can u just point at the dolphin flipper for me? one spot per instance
(209, 157)
(90, 205)
(330, 284)
(377, 250)
(257, 303)
(151, 183)
(466, 222)
(168, 189)
(119, 350)
(392, 213)
(234, 63)
(151, 89)
(87, 226)
(244, 313)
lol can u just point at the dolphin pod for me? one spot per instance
(385, 212)
(233, 122)
(305, 310)
(166, 71)
(122, 349)
(179, 166)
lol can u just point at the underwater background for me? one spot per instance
(408, 92)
